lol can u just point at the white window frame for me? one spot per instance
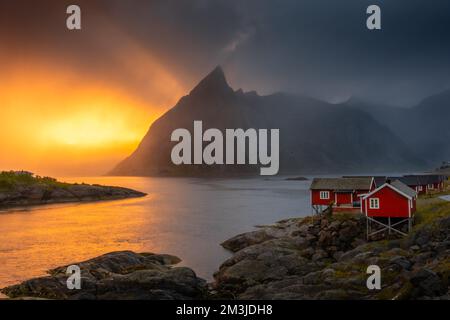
(324, 195)
(374, 203)
(420, 188)
(430, 186)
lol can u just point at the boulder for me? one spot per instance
(118, 275)
(427, 283)
(401, 261)
(244, 240)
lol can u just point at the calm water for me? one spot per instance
(185, 217)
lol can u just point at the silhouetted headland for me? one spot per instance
(23, 188)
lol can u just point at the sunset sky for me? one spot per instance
(77, 102)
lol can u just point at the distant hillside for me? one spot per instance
(315, 136)
(22, 188)
(425, 128)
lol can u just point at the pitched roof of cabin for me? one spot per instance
(429, 178)
(410, 180)
(419, 179)
(357, 183)
(397, 184)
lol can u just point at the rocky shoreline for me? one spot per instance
(327, 258)
(320, 257)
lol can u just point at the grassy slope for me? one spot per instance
(431, 207)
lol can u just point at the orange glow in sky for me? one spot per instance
(57, 122)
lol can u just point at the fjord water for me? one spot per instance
(185, 217)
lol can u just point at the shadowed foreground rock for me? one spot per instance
(118, 275)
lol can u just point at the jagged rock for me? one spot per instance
(246, 239)
(335, 224)
(118, 275)
(318, 255)
(423, 257)
(401, 261)
(324, 238)
(337, 255)
(428, 283)
(324, 223)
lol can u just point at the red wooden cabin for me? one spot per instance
(434, 183)
(395, 200)
(342, 193)
(389, 205)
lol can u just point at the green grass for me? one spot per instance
(10, 180)
(428, 210)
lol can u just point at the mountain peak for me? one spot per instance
(215, 82)
(217, 73)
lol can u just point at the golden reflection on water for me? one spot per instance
(34, 240)
(168, 220)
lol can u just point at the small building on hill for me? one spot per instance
(343, 194)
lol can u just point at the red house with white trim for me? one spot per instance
(395, 200)
(342, 193)
(389, 206)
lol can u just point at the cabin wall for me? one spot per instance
(315, 198)
(424, 189)
(436, 187)
(344, 198)
(339, 198)
(416, 188)
(392, 204)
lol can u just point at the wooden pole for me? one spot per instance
(367, 228)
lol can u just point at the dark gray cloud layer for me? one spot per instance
(316, 47)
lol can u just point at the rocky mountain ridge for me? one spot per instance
(315, 136)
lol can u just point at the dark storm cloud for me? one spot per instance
(320, 48)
